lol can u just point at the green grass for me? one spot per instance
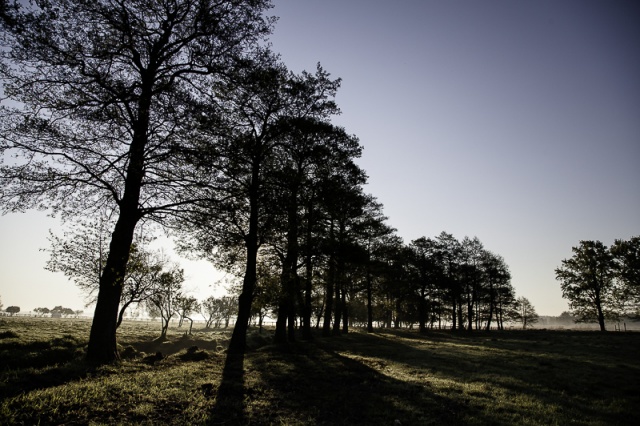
(533, 377)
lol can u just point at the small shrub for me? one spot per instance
(129, 352)
(194, 354)
(257, 340)
(9, 334)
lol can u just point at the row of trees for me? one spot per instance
(58, 310)
(602, 283)
(363, 280)
(175, 112)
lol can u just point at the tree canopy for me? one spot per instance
(103, 94)
(601, 282)
(175, 112)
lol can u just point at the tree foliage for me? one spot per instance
(103, 94)
(588, 282)
(166, 299)
(526, 312)
(626, 257)
(12, 310)
(602, 282)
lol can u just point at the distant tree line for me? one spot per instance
(176, 113)
(602, 283)
(58, 311)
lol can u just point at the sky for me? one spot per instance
(514, 121)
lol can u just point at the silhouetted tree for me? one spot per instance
(497, 276)
(588, 282)
(626, 257)
(12, 310)
(187, 305)
(379, 242)
(107, 89)
(167, 296)
(259, 105)
(41, 311)
(81, 255)
(61, 310)
(526, 312)
(427, 273)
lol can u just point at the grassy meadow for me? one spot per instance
(534, 377)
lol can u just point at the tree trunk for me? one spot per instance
(326, 327)
(289, 278)
(600, 313)
(306, 309)
(338, 309)
(369, 303)
(491, 304)
(102, 347)
(238, 342)
(345, 314)
(453, 315)
(422, 312)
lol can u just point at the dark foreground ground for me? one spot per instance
(387, 378)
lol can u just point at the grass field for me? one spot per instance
(387, 378)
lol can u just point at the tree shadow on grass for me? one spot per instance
(229, 407)
(308, 384)
(40, 364)
(569, 377)
(27, 366)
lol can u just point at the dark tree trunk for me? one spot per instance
(422, 312)
(600, 313)
(470, 312)
(454, 313)
(345, 314)
(369, 303)
(491, 304)
(102, 347)
(238, 342)
(289, 278)
(123, 308)
(326, 327)
(306, 309)
(338, 309)
(460, 319)
(165, 328)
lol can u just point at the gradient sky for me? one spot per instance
(514, 121)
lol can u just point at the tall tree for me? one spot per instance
(626, 256)
(105, 88)
(308, 148)
(451, 252)
(426, 260)
(587, 281)
(497, 277)
(258, 105)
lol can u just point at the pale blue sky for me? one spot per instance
(514, 121)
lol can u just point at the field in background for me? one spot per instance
(533, 377)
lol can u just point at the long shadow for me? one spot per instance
(41, 365)
(28, 366)
(318, 385)
(527, 368)
(229, 406)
